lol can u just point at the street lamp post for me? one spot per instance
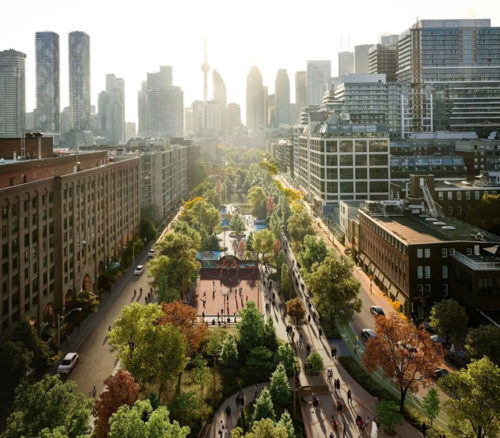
(60, 319)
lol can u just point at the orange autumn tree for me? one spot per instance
(184, 316)
(406, 355)
(120, 390)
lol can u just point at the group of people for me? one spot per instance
(147, 298)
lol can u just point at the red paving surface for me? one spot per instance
(214, 301)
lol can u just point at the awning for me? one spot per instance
(386, 283)
(377, 273)
(362, 257)
(371, 267)
(493, 250)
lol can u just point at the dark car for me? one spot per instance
(377, 311)
(367, 334)
(440, 372)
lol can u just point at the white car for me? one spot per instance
(68, 363)
(151, 253)
(139, 270)
(367, 334)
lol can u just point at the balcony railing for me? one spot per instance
(478, 266)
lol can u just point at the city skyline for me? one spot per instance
(135, 53)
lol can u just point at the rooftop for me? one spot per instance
(414, 230)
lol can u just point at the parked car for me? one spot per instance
(377, 311)
(407, 347)
(440, 372)
(367, 334)
(151, 253)
(427, 327)
(439, 339)
(139, 270)
(68, 363)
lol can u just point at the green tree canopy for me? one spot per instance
(334, 289)
(229, 352)
(388, 415)
(285, 284)
(264, 428)
(314, 252)
(182, 227)
(474, 406)
(141, 421)
(299, 225)
(263, 243)
(314, 362)
(270, 339)
(486, 214)
(258, 200)
(286, 356)
(449, 319)
(26, 334)
(263, 407)
(286, 423)
(279, 388)
(212, 197)
(431, 404)
(236, 223)
(152, 352)
(275, 224)
(484, 341)
(49, 404)
(201, 215)
(251, 327)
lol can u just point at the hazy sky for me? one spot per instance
(130, 38)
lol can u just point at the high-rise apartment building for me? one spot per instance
(12, 93)
(256, 119)
(233, 116)
(300, 93)
(361, 59)
(282, 99)
(47, 81)
(346, 63)
(383, 57)
(111, 110)
(79, 79)
(166, 112)
(142, 109)
(318, 75)
(457, 63)
(220, 96)
(161, 79)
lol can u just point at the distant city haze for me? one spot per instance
(129, 39)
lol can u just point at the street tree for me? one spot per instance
(236, 223)
(474, 404)
(264, 428)
(212, 197)
(449, 319)
(285, 284)
(263, 407)
(287, 423)
(279, 388)
(251, 327)
(286, 356)
(151, 351)
(388, 415)
(263, 243)
(186, 319)
(275, 224)
(182, 227)
(314, 363)
(258, 200)
(296, 311)
(229, 352)
(269, 339)
(314, 252)
(49, 404)
(141, 421)
(299, 225)
(26, 334)
(166, 294)
(201, 215)
(334, 289)
(431, 404)
(407, 356)
(483, 341)
(119, 389)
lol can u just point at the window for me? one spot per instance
(420, 253)
(420, 272)
(477, 197)
(427, 271)
(468, 251)
(450, 196)
(444, 271)
(467, 196)
(459, 209)
(450, 210)
(428, 289)
(427, 253)
(459, 196)
(420, 289)
(444, 253)
(440, 196)
(444, 290)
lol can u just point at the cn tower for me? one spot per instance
(205, 68)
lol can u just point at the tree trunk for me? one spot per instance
(479, 432)
(402, 400)
(179, 383)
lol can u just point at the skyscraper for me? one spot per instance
(282, 98)
(383, 57)
(220, 96)
(12, 93)
(142, 109)
(111, 107)
(300, 93)
(47, 81)
(361, 59)
(346, 63)
(453, 68)
(166, 112)
(318, 75)
(233, 116)
(256, 119)
(160, 79)
(79, 79)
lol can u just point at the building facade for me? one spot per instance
(361, 59)
(300, 94)
(111, 110)
(79, 79)
(318, 75)
(12, 93)
(64, 221)
(282, 99)
(383, 59)
(256, 111)
(47, 81)
(346, 63)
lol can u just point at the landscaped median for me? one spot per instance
(379, 387)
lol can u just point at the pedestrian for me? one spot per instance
(339, 407)
(109, 328)
(135, 292)
(333, 351)
(320, 332)
(356, 348)
(228, 411)
(309, 318)
(423, 429)
(349, 397)
(94, 391)
(146, 299)
(213, 321)
(308, 349)
(344, 433)
(203, 315)
(140, 290)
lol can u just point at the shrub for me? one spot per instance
(314, 363)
